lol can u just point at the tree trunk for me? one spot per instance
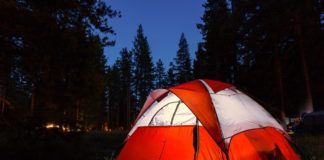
(33, 99)
(309, 99)
(278, 68)
(128, 120)
(3, 107)
(77, 113)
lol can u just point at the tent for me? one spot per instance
(205, 120)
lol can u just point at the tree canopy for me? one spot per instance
(53, 68)
(52, 52)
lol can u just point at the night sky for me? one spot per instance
(162, 21)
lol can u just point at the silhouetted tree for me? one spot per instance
(267, 48)
(125, 67)
(160, 75)
(218, 35)
(114, 95)
(143, 67)
(183, 70)
(170, 75)
(57, 50)
(200, 63)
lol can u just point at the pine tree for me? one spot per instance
(170, 75)
(219, 42)
(125, 67)
(183, 70)
(200, 63)
(60, 53)
(114, 95)
(143, 67)
(160, 75)
(271, 38)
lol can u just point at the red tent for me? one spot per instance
(205, 119)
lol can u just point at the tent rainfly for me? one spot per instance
(205, 120)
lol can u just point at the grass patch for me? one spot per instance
(55, 145)
(311, 144)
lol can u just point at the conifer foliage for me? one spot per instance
(53, 67)
(160, 75)
(143, 67)
(53, 57)
(267, 48)
(183, 69)
(218, 36)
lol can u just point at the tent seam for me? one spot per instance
(220, 128)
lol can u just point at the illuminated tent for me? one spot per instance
(205, 119)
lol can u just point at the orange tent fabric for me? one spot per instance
(217, 86)
(165, 143)
(197, 98)
(260, 144)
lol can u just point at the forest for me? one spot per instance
(53, 69)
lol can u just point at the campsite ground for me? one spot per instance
(311, 144)
(53, 145)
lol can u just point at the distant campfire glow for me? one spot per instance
(64, 128)
(51, 125)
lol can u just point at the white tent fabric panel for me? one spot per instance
(175, 114)
(237, 112)
(146, 118)
(184, 116)
(168, 101)
(161, 113)
(164, 115)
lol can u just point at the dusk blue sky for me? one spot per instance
(163, 22)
